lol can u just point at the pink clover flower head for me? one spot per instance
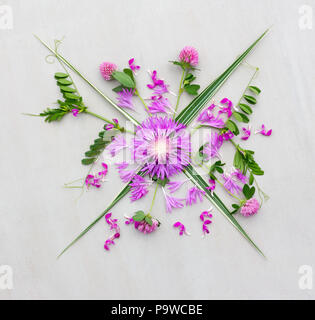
(212, 148)
(117, 145)
(247, 133)
(189, 55)
(250, 207)
(125, 98)
(263, 131)
(145, 227)
(230, 185)
(132, 65)
(139, 188)
(193, 194)
(182, 228)
(75, 112)
(162, 146)
(107, 69)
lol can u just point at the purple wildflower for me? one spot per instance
(182, 228)
(230, 185)
(203, 217)
(189, 55)
(172, 202)
(144, 227)
(211, 185)
(139, 188)
(239, 175)
(228, 109)
(263, 131)
(116, 145)
(173, 186)
(155, 80)
(208, 117)
(227, 135)
(125, 98)
(125, 175)
(162, 146)
(132, 65)
(212, 148)
(193, 194)
(103, 173)
(91, 180)
(107, 69)
(159, 104)
(247, 133)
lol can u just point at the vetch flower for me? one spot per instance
(247, 133)
(91, 180)
(103, 173)
(182, 228)
(75, 112)
(139, 188)
(132, 65)
(193, 194)
(113, 226)
(250, 207)
(263, 131)
(227, 135)
(211, 185)
(155, 80)
(227, 109)
(189, 55)
(203, 217)
(125, 99)
(162, 146)
(107, 69)
(116, 145)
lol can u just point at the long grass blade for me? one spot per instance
(187, 115)
(66, 62)
(193, 175)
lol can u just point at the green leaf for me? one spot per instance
(192, 88)
(177, 63)
(139, 216)
(251, 179)
(67, 89)
(250, 99)
(231, 125)
(193, 175)
(235, 206)
(246, 108)
(241, 117)
(72, 96)
(129, 72)
(238, 161)
(124, 79)
(248, 192)
(254, 89)
(64, 82)
(188, 114)
(148, 220)
(61, 75)
(87, 161)
(119, 88)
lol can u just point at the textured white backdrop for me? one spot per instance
(39, 217)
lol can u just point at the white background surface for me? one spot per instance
(39, 217)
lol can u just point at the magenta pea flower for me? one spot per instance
(263, 131)
(132, 65)
(107, 69)
(212, 185)
(250, 207)
(189, 55)
(182, 228)
(227, 109)
(113, 226)
(205, 218)
(75, 112)
(247, 133)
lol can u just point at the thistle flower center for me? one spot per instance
(161, 148)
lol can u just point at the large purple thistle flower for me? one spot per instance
(162, 146)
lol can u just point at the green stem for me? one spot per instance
(180, 91)
(152, 203)
(98, 116)
(142, 101)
